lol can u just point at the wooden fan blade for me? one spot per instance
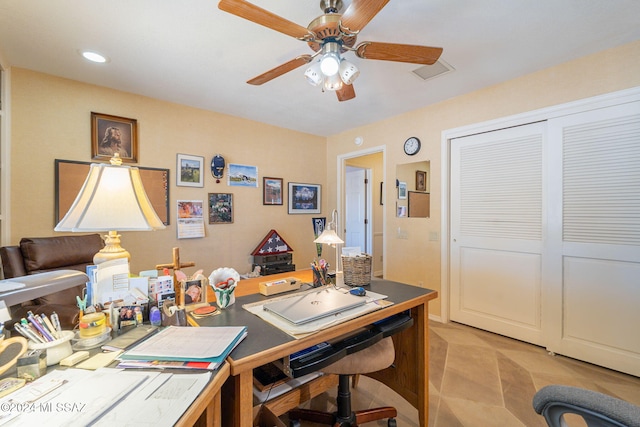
(263, 17)
(280, 70)
(359, 13)
(399, 52)
(345, 93)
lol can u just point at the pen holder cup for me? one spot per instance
(56, 350)
(225, 296)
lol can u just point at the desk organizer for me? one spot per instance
(56, 350)
(279, 286)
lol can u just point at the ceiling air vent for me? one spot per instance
(427, 72)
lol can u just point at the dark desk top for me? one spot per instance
(264, 339)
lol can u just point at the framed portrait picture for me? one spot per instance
(193, 290)
(421, 181)
(113, 134)
(304, 198)
(271, 191)
(190, 171)
(402, 190)
(220, 208)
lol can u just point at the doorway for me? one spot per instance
(361, 205)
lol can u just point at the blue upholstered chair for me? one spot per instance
(597, 409)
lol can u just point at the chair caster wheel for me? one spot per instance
(391, 422)
(294, 423)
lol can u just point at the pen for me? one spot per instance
(28, 333)
(39, 327)
(49, 326)
(56, 322)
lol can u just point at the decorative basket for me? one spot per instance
(357, 270)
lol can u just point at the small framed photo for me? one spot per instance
(194, 291)
(190, 171)
(220, 208)
(271, 191)
(421, 181)
(402, 190)
(304, 198)
(113, 134)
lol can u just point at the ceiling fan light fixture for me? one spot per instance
(330, 61)
(348, 72)
(333, 82)
(313, 74)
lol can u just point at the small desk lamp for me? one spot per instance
(111, 198)
(330, 237)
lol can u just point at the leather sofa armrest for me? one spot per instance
(12, 262)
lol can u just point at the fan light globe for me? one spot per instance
(329, 64)
(333, 82)
(313, 75)
(348, 72)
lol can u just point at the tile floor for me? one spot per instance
(479, 379)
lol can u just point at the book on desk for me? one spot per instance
(208, 346)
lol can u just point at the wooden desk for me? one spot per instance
(265, 343)
(206, 410)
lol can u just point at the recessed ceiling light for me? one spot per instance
(94, 56)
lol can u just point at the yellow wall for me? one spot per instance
(51, 120)
(417, 259)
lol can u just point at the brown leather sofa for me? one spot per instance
(41, 254)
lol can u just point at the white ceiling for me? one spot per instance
(192, 53)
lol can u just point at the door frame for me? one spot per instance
(341, 169)
(368, 209)
(579, 106)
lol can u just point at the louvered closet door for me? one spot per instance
(594, 305)
(497, 231)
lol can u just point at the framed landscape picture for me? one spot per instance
(304, 198)
(220, 208)
(190, 171)
(271, 191)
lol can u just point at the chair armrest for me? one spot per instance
(597, 409)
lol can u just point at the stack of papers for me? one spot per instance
(200, 348)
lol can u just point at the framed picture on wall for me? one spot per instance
(271, 191)
(113, 134)
(190, 171)
(304, 198)
(421, 181)
(220, 208)
(402, 190)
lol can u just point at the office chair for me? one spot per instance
(371, 359)
(597, 409)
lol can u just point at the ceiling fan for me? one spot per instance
(330, 35)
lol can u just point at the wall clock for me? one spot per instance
(412, 146)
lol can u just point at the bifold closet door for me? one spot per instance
(497, 231)
(593, 304)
